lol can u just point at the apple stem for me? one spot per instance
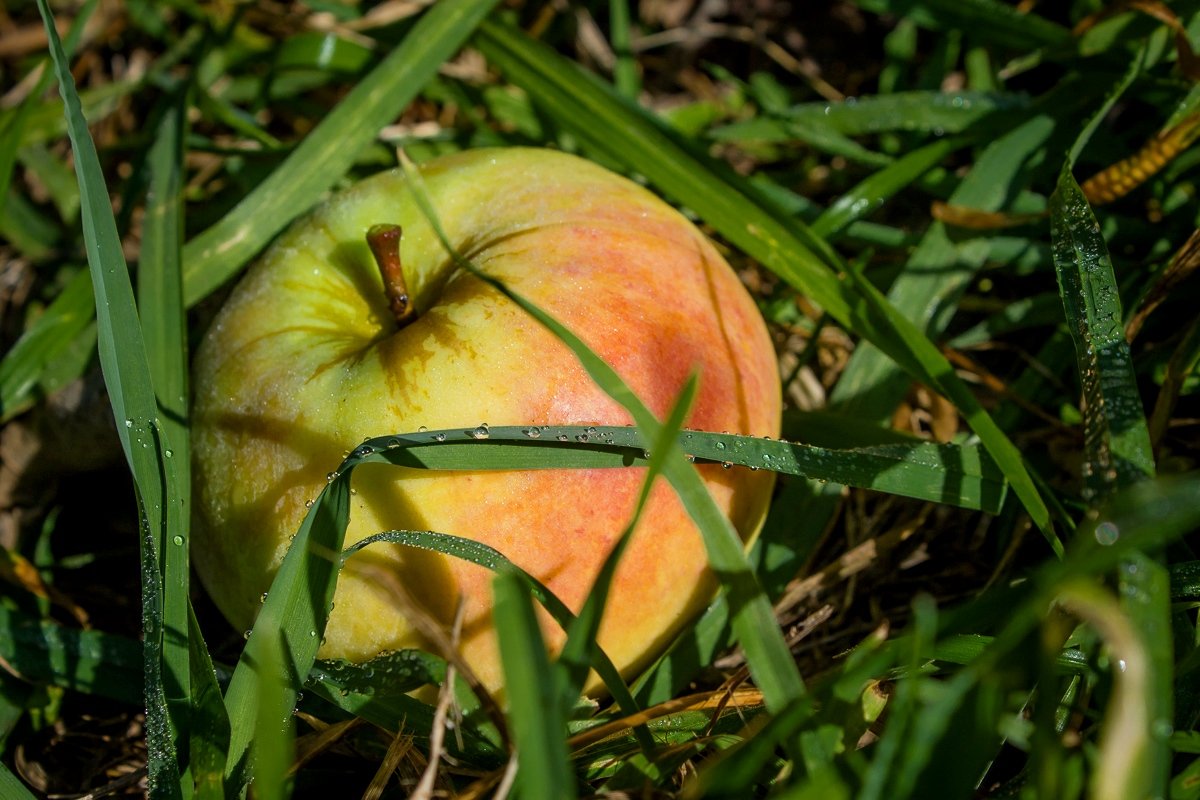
(384, 241)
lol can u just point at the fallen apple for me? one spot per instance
(330, 338)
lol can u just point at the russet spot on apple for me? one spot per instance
(307, 358)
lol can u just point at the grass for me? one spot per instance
(970, 227)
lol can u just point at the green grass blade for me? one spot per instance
(963, 476)
(297, 607)
(536, 716)
(164, 330)
(1117, 441)
(273, 726)
(576, 655)
(625, 71)
(12, 134)
(91, 662)
(925, 112)
(1117, 449)
(11, 786)
(44, 342)
(590, 110)
(990, 20)
(210, 722)
(753, 620)
(329, 151)
(131, 392)
(877, 189)
(489, 558)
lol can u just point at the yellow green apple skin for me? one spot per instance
(305, 360)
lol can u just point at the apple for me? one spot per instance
(331, 338)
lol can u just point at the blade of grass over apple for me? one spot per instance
(753, 620)
(959, 475)
(535, 708)
(330, 149)
(297, 606)
(131, 392)
(739, 212)
(578, 652)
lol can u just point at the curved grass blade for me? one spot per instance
(753, 619)
(395, 712)
(535, 708)
(494, 560)
(329, 151)
(297, 607)
(131, 392)
(591, 111)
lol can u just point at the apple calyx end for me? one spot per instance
(384, 242)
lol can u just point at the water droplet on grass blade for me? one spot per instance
(481, 431)
(533, 432)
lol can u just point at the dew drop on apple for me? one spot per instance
(422, 429)
(481, 432)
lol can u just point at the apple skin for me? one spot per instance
(305, 361)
